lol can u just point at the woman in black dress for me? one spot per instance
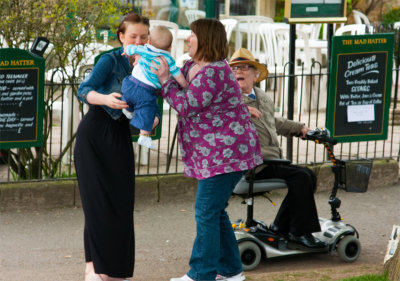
(104, 162)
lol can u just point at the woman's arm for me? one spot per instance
(88, 90)
(112, 100)
(190, 101)
(181, 80)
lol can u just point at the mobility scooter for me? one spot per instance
(256, 240)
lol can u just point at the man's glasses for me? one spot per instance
(244, 67)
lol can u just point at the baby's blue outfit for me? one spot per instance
(139, 89)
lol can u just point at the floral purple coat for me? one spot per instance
(216, 135)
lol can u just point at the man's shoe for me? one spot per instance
(183, 278)
(307, 240)
(275, 229)
(237, 277)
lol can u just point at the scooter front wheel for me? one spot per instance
(349, 248)
(250, 255)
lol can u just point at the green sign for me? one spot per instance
(156, 133)
(302, 11)
(359, 87)
(21, 99)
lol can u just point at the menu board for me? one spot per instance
(302, 11)
(21, 99)
(360, 86)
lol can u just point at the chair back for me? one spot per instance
(248, 25)
(229, 25)
(271, 55)
(360, 18)
(282, 35)
(312, 30)
(173, 27)
(351, 29)
(163, 13)
(193, 15)
(180, 62)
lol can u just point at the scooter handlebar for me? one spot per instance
(320, 135)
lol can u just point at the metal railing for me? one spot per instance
(63, 113)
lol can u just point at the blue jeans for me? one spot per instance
(215, 248)
(142, 99)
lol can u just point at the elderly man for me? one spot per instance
(297, 217)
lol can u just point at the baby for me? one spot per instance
(139, 89)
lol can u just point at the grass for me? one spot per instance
(368, 277)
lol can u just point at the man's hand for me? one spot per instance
(304, 131)
(254, 112)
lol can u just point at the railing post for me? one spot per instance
(292, 59)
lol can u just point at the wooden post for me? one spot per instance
(392, 266)
(392, 258)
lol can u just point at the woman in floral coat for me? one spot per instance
(218, 143)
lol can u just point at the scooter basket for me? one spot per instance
(355, 174)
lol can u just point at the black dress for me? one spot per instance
(104, 163)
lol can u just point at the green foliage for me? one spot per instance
(391, 16)
(279, 11)
(70, 26)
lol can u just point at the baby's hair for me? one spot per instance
(161, 37)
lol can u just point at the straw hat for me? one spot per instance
(243, 55)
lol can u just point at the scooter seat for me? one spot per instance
(259, 186)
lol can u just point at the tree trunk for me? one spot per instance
(392, 265)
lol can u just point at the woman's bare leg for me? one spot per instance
(91, 275)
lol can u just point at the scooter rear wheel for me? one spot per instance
(349, 248)
(250, 255)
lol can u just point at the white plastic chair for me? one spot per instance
(277, 37)
(396, 25)
(174, 29)
(351, 29)
(182, 59)
(3, 43)
(248, 25)
(193, 15)
(271, 55)
(360, 18)
(229, 25)
(163, 13)
(325, 29)
(312, 30)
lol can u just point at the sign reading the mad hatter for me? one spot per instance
(21, 99)
(359, 87)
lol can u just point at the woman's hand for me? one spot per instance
(162, 70)
(112, 100)
(156, 122)
(254, 112)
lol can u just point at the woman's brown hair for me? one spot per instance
(211, 37)
(131, 18)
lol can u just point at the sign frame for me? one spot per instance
(13, 60)
(315, 11)
(354, 80)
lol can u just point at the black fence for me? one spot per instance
(63, 112)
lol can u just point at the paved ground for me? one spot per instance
(38, 245)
